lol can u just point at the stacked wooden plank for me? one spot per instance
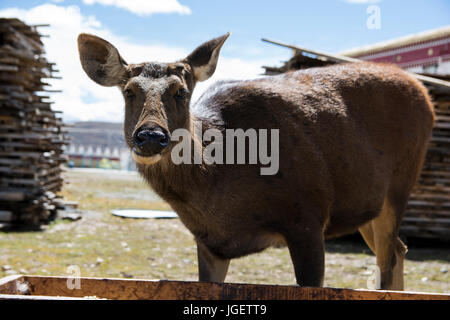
(31, 134)
(428, 211)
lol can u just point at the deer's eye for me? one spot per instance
(181, 94)
(129, 93)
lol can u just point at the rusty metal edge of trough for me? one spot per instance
(169, 290)
(28, 297)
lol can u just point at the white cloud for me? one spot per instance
(232, 68)
(105, 103)
(145, 7)
(61, 47)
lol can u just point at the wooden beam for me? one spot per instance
(132, 289)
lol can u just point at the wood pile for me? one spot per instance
(297, 62)
(31, 133)
(428, 211)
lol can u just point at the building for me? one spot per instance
(94, 157)
(98, 145)
(426, 52)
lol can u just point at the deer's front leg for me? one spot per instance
(210, 267)
(306, 246)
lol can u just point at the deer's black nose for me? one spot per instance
(148, 142)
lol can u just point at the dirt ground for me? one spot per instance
(103, 245)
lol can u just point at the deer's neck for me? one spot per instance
(182, 182)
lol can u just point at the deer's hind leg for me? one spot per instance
(381, 235)
(211, 268)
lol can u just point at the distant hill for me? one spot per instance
(98, 125)
(98, 134)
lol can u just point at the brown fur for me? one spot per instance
(352, 141)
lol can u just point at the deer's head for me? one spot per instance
(157, 95)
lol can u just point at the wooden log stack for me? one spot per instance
(428, 212)
(32, 136)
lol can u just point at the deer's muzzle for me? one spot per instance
(150, 141)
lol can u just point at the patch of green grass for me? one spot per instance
(103, 245)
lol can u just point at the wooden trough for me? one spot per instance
(22, 287)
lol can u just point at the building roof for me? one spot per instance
(424, 36)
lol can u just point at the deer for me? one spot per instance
(352, 142)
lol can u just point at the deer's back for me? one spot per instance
(344, 131)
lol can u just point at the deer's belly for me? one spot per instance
(342, 223)
(241, 245)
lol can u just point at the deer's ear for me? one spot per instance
(204, 59)
(100, 60)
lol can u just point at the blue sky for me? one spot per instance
(172, 28)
